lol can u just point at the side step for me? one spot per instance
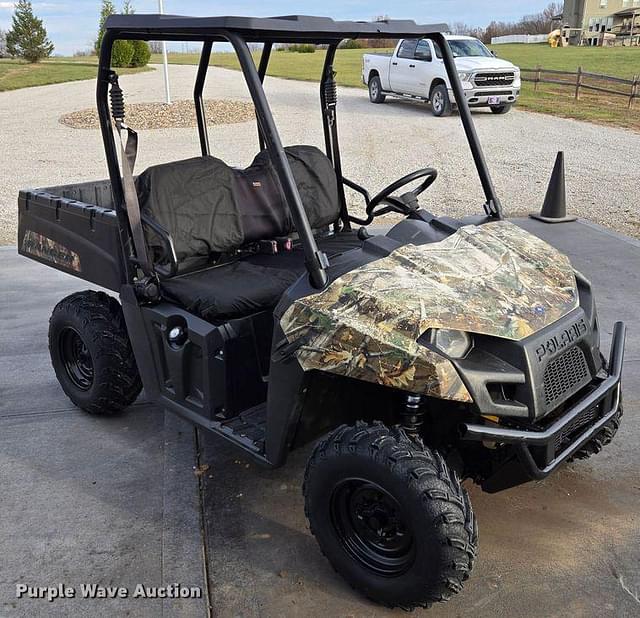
(248, 429)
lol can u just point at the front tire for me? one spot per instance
(91, 353)
(440, 101)
(501, 109)
(390, 516)
(375, 90)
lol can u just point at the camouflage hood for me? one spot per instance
(494, 279)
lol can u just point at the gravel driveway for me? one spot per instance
(380, 143)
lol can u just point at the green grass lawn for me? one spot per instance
(290, 65)
(616, 61)
(559, 100)
(16, 74)
(605, 109)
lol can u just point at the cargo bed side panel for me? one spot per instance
(75, 237)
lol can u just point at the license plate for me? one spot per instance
(494, 100)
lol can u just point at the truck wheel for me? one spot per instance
(604, 437)
(375, 90)
(440, 101)
(390, 516)
(91, 353)
(501, 109)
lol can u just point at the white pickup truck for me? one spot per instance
(415, 70)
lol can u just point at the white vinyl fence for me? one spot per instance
(519, 38)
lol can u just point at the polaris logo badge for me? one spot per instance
(562, 340)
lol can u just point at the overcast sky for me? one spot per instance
(72, 24)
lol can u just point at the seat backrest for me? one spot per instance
(209, 207)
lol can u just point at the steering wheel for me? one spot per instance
(404, 204)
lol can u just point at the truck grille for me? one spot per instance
(564, 376)
(494, 79)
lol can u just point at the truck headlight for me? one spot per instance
(465, 77)
(454, 343)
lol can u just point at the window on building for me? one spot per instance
(604, 4)
(609, 24)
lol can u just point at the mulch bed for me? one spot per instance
(177, 115)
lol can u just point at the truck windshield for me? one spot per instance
(463, 48)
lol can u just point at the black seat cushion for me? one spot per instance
(229, 291)
(211, 208)
(251, 284)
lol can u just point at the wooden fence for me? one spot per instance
(583, 80)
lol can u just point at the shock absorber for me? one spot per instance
(331, 89)
(117, 99)
(412, 414)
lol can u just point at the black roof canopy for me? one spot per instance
(287, 28)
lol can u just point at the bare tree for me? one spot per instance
(539, 23)
(3, 44)
(466, 30)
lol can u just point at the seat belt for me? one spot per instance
(128, 154)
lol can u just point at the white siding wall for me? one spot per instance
(519, 38)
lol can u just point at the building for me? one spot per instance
(598, 22)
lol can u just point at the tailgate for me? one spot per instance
(72, 236)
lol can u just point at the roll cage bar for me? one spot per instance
(239, 31)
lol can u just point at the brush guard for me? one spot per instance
(539, 453)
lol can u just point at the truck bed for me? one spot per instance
(73, 228)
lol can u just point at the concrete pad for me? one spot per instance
(111, 501)
(566, 546)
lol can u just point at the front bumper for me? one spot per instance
(540, 452)
(485, 97)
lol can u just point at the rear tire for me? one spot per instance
(390, 516)
(440, 101)
(501, 109)
(91, 353)
(375, 90)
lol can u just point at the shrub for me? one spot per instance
(303, 48)
(122, 53)
(351, 44)
(141, 54)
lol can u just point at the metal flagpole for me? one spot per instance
(165, 61)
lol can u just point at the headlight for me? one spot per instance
(465, 77)
(454, 343)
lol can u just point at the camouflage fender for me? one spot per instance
(494, 279)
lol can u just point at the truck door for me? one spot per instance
(403, 65)
(422, 69)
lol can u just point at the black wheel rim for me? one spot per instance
(371, 527)
(76, 358)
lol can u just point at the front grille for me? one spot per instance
(564, 376)
(494, 79)
(492, 93)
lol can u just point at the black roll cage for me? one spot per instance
(291, 29)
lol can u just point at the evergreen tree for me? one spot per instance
(28, 37)
(108, 8)
(3, 44)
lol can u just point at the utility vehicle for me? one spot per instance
(255, 305)
(416, 70)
